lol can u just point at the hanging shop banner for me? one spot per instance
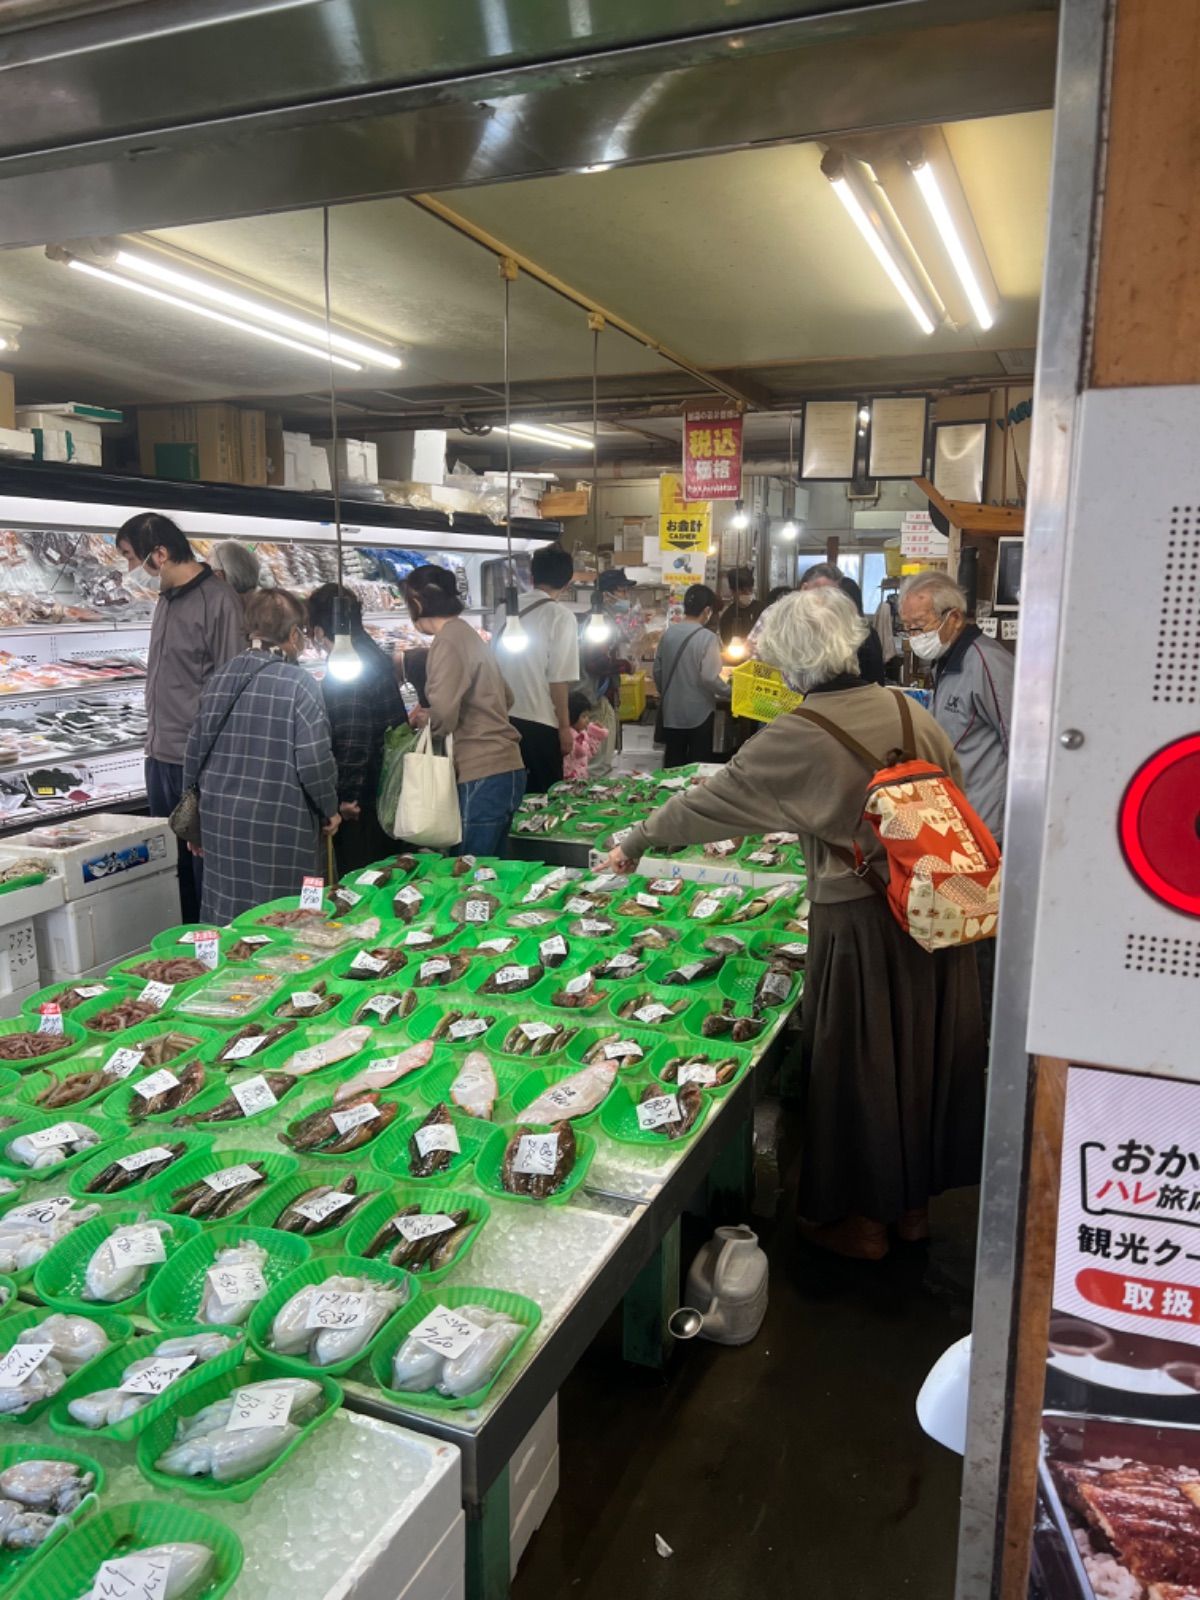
(1128, 1253)
(682, 524)
(712, 454)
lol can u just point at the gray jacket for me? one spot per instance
(972, 700)
(691, 668)
(197, 628)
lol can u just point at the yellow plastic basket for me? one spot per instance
(633, 696)
(760, 693)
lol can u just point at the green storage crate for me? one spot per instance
(396, 1096)
(16, 1564)
(739, 981)
(618, 1118)
(117, 1327)
(177, 1291)
(521, 1310)
(31, 1006)
(161, 1433)
(490, 1161)
(390, 1153)
(267, 1209)
(60, 1276)
(132, 1144)
(194, 1168)
(107, 1370)
(69, 1571)
(29, 1121)
(619, 1032)
(73, 1038)
(376, 1215)
(317, 1271)
(538, 1079)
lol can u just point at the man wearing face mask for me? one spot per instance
(197, 628)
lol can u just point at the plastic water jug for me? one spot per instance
(726, 1290)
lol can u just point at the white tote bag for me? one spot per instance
(428, 810)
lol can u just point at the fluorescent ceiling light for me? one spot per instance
(309, 329)
(882, 247)
(209, 312)
(561, 438)
(10, 335)
(944, 222)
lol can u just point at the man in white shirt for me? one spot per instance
(541, 675)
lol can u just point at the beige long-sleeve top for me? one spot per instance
(794, 775)
(469, 698)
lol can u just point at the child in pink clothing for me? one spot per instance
(589, 736)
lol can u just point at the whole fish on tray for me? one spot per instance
(538, 1038)
(384, 1072)
(386, 1007)
(574, 1096)
(337, 1130)
(521, 1171)
(265, 1037)
(188, 1083)
(324, 1206)
(475, 1089)
(690, 1100)
(415, 1248)
(212, 1198)
(231, 1108)
(340, 1047)
(434, 1144)
(725, 1023)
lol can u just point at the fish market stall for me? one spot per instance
(392, 1153)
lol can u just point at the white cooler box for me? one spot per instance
(20, 912)
(532, 1483)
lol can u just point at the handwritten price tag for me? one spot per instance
(344, 1121)
(484, 875)
(418, 936)
(468, 1028)
(478, 911)
(324, 1206)
(498, 945)
(422, 1227)
(579, 985)
(624, 961)
(510, 975)
(156, 1083)
(50, 1019)
(232, 1178)
(132, 1578)
(666, 886)
(305, 1000)
(145, 1158)
(650, 901)
(158, 1375)
(775, 988)
(312, 894)
(437, 1136)
(578, 906)
(335, 1308)
(43, 1212)
(567, 1097)
(433, 968)
(538, 1030)
(259, 1407)
(448, 1332)
(658, 1111)
(409, 896)
(705, 906)
(369, 878)
(364, 961)
(254, 1095)
(654, 1012)
(383, 1005)
(241, 1048)
(20, 1361)
(232, 1285)
(690, 970)
(51, 1138)
(124, 1061)
(623, 1049)
(207, 948)
(699, 1072)
(157, 994)
(537, 1154)
(556, 945)
(592, 928)
(89, 991)
(136, 1246)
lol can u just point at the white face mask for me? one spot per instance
(929, 645)
(150, 580)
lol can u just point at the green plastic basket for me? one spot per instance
(15, 1564)
(726, 898)
(194, 1168)
(106, 1373)
(739, 980)
(123, 972)
(349, 979)
(518, 919)
(527, 1312)
(71, 1568)
(621, 1032)
(86, 1014)
(8, 1294)
(481, 969)
(436, 1079)
(248, 921)
(130, 1145)
(73, 1038)
(161, 1433)
(33, 1121)
(60, 1275)
(34, 1083)
(124, 1101)
(396, 1096)
(25, 881)
(24, 1275)
(618, 1118)
(426, 1018)
(543, 993)
(267, 1209)
(493, 1039)
(693, 1028)
(31, 1006)
(509, 874)
(141, 1033)
(219, 1089)
(762, 944)
(314, 1272)
(536, 1081)
(648, 994)
(117, 1327)
(360, 993)
(489, 1162)
(177, 1291)
(714, 1050)
(390, 1154)
(376, 1215)
(277, 1056)
(337, 992)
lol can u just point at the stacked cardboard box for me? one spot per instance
(213, 442)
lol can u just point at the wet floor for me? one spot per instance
(792, 1466)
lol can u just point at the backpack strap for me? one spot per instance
(908, 742)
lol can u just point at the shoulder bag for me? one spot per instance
(185, 818)
(428, 812)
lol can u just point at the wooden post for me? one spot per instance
(832, 545)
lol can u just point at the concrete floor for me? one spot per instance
(792, 1466)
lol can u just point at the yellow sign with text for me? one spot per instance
(682, 524)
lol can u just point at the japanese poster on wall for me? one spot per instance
(683, 525)
(712, 454)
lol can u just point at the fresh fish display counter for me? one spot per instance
(374, 1162)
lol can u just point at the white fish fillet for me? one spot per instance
(378, 1076)
(342, 1045)
(574, 1096)
(475, 1089)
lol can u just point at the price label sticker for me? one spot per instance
(537, 1154)
(592, 928)
(305, 1000)
(793, 951)
(624, 961)
(623, 1050)
(556, 945)
(650, 901)
(255, 938)
(237, 1283)
(145, 1158)
(567, 1097)
(158, 1375)
(666, 886)
(241, 1048)
(364, 961)
(433, 968)
(50, 1019)
(478, 911)
(254, 1095)
(20, 1361)
(324, 1206)
(658, 1111)
(531, 919)
(156, 1083)
(383, 1005)
(232, 1178)
(499, 946)
(580, 984)
(690, 970)
(538, 1030)
(355, 1117)
(422, 1227)
(446, 1331)
(469, 1028)
(603, 880)
(348, 897)
(140, 1577)
(775, 987)
(437, 1136)
(762, 857)
(124, 1061)
(410, 895)
(370, 877)
(701, 1072)
(485, 875)
(89, 991)
(157, 994)
(207, 948)
(674, 783)
(312, 894)
(705, 906)
(510, 975)
(578, 906)
(418, 936)
(337, 1308)
(42, 1212)
(654, 1012)
(51, 1138)
(260, 1406)
(136, 1246)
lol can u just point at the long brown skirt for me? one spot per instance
(892, 1067)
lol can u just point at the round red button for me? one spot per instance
(1160, 825)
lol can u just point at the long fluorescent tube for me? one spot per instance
(207, 311)
(944, 222)
(882, 253)
(255, 310)
(560, 438)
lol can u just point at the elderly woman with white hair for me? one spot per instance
(892, 1052)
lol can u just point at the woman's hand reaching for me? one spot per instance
(618, 861)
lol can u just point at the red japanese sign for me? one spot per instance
(712, 454)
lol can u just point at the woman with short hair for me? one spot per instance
(235, 563)
(892, 1051)
(260, 756)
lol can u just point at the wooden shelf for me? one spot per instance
(971, 517)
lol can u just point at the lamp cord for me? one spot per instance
(512, 572)
(335, 476)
